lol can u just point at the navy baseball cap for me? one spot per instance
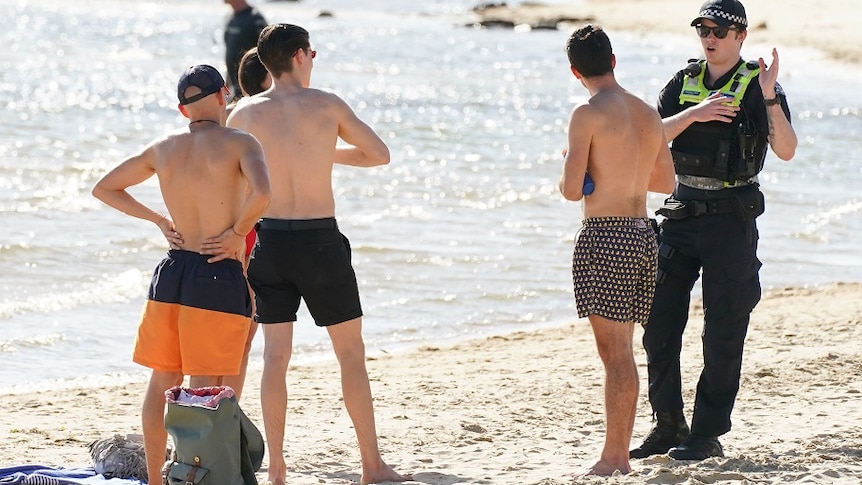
(202, 76)
(723, 12)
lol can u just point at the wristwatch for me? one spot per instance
(772, 101)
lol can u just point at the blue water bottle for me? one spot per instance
(589, 185)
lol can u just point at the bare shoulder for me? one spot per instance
(637, 102)
(248, 108)
(236, 136)
(168, 141)
(171, 136)
(328, 99)
(241, 110)
(587, 112)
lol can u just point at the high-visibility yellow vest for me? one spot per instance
(694, 91)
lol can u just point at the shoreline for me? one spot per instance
(140, 375)
(526, 407)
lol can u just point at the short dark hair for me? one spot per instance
(252, 73)
(589, 51)
(278, 43)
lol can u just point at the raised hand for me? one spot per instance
(768, 75)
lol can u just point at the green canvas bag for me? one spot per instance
(215, 442)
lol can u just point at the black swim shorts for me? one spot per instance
(305, 259)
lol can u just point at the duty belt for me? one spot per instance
(680, 209)
(709, 183)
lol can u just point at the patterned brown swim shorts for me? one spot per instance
(614, 268)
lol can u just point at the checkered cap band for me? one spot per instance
(711, 12)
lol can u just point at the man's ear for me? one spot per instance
(575, 72)
(613, 61)
(183, 110)
(296, 60)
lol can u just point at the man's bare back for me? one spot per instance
(299, 128)
(201, 178)
(620, 141)
(213, 179)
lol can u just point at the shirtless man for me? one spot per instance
(300, 253)
(619, 140)
(215, 186)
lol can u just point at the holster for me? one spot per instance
(674, 209)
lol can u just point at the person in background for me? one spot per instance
(215, 186)
(721, 114)
(300, 252)
(253, 79)
(240, 34)
(253, 76)
(619, 140)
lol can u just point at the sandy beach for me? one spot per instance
(527, 408)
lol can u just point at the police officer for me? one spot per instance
(240, 34)
(722, 114)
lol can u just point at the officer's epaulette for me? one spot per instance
(693, 68)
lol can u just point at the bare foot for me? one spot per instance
(276, 474)
(382, 473)
(604, 469)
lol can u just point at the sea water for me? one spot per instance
(463, 235)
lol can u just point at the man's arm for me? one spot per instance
(111, 190)
(253, 168)
(577, 154)
(713, 108)
(367, 149)
(662, 179)
(782, 137)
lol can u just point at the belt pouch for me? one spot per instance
(749, 204)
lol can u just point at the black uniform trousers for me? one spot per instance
(724, 247)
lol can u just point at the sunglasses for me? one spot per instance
(308, 51)
(719, 31)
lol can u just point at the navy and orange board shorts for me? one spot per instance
(196, 318)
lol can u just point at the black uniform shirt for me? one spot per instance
(240, 35)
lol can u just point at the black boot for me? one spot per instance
(669, 431)
(697, 447)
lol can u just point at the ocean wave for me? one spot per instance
(12, 346)
(117, 288)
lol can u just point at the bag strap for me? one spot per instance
(193, 471)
